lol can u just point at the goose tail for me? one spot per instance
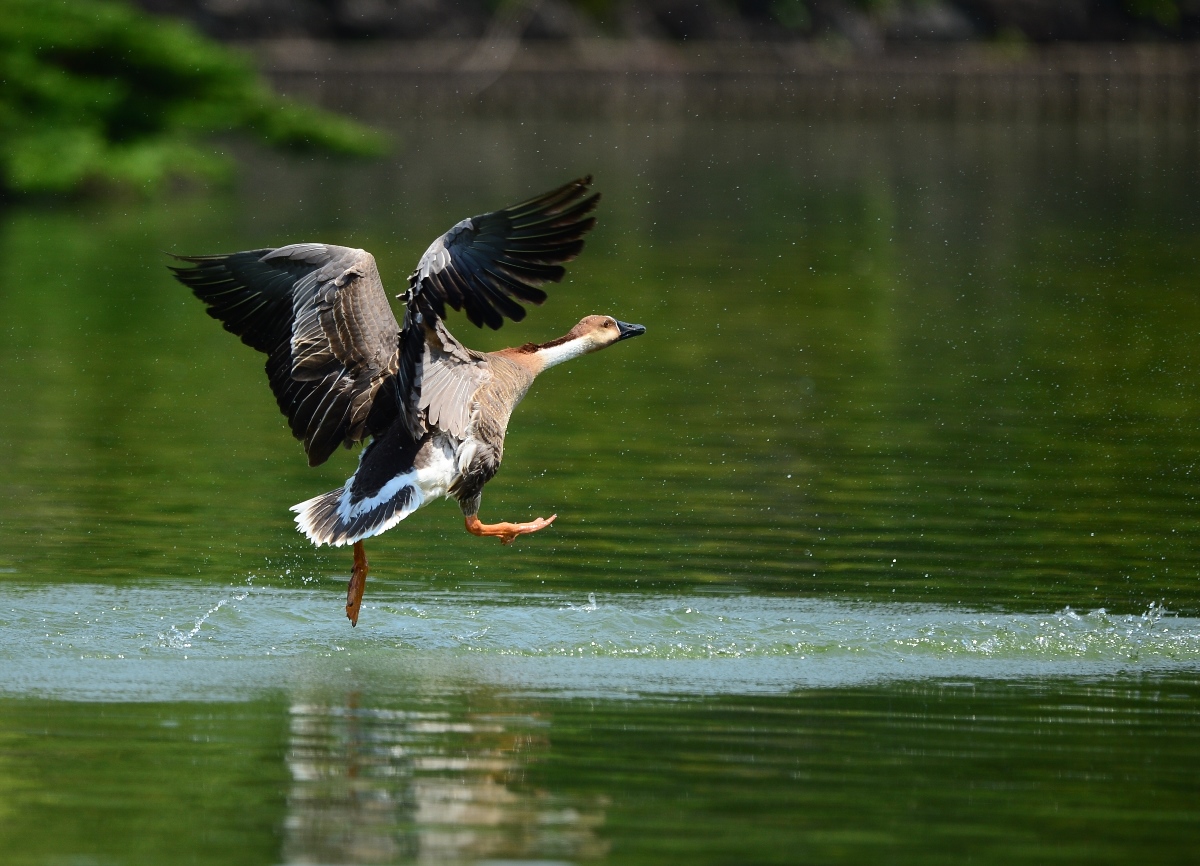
(345, 515)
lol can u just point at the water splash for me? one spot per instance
(589, 607)
(176, 639)
(114, 641)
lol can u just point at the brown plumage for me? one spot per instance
(344, 371)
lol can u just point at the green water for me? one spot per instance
(880, 546)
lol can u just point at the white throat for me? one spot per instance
(552, 355)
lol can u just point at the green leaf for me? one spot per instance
(97, 91)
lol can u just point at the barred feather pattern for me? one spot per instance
(320, 314)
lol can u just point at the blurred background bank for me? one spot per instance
(103, 92)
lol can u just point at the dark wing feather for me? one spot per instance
(320, 314)
(485, 265)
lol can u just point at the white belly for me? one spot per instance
(439, 467)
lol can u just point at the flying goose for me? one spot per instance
(435, 412)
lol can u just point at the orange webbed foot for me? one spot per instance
(506, 532)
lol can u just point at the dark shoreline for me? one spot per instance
(611, 78)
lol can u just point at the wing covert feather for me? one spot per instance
(451, 374)
(320, 314)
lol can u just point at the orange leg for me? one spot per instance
(506, 532)
(358, 582)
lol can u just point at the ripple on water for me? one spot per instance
(195, 640)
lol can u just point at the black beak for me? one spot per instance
(627, 330)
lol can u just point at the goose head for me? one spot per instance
(592, 334)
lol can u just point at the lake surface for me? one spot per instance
(880, 546)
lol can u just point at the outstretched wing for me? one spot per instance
(320, 314)
(487, 264)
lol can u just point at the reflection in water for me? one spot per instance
(396, 786)
(937, 773)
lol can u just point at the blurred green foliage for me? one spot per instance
(96, 94)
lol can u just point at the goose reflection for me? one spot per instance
(372, 785)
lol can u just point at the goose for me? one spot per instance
(433, 413)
